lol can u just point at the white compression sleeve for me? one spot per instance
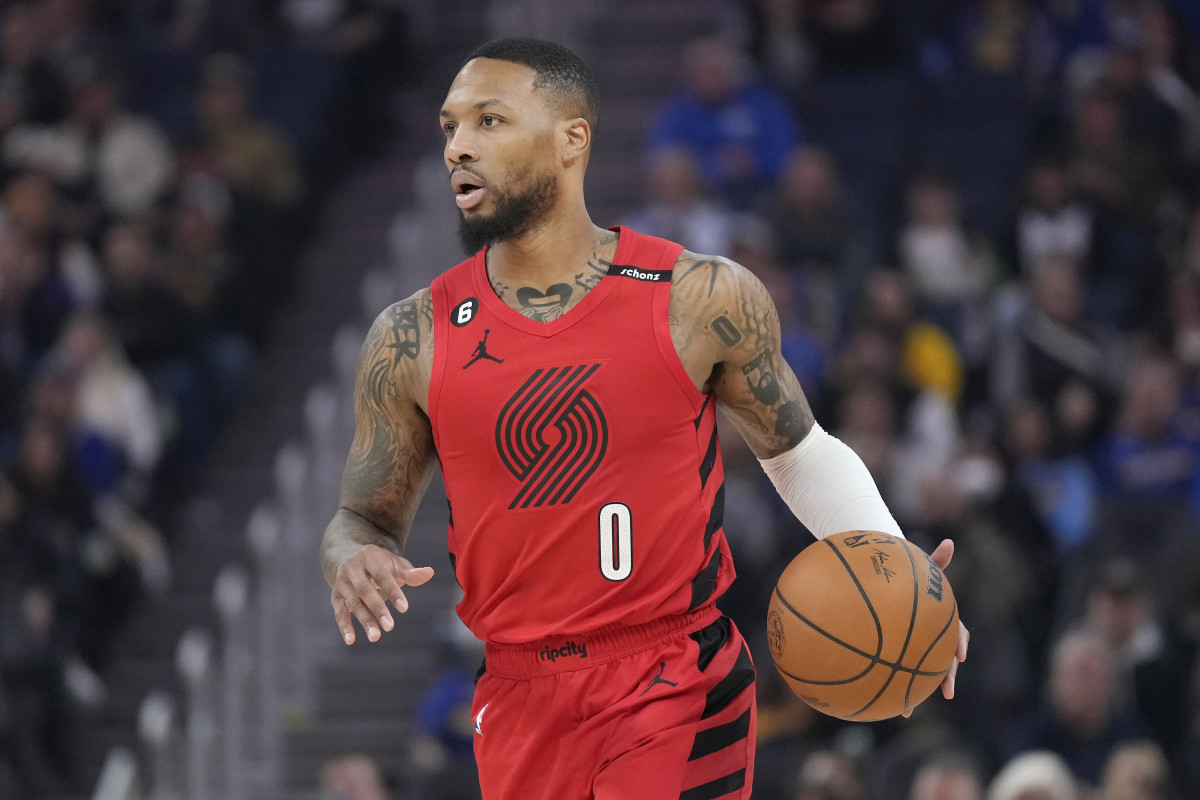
(828, 487)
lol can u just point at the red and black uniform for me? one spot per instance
(586, 495)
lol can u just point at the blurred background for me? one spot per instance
(980, 220)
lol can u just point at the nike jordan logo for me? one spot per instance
(482, 353)
(657, 679)
(479, 719)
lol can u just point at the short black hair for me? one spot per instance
(557, 69)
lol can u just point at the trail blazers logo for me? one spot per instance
(552, 435)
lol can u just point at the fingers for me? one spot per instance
(363, 586)
(368, 607)
(943, 553)
(960, 655)
(341, 615)
(415, 576)
(948, 681)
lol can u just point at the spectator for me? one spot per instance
(34, 301)
(817, 237)
(867, 423)
(928, 359)
(1154, 665)
(679, 207)
(1051, 222)
(1061, 487)
(233, 144)
(442, 755)
(1150, 474)
(1183, 324)
(1150, 121)
(159, 335)
(152, 324)
(101, 153)
(116, 402)
(1117, 174)
(1036, 775)
(1004, 38)
(854, 35)
(739, 133)
(37, 209)
(354, 776)
(1136, 771)
(205, 270)
(829, 775)
(23, 58)
(779, 44)
(249, 154)
(947, 778)
(1120, 178)
(926, 433)
(1051, 353)
(1165, 40)
(1082, 717)
(949, 268)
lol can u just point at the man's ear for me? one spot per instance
(576, 136)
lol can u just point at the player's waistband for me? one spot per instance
(610, 643)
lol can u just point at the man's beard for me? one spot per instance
(515, 215)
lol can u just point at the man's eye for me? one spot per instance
(487, 120)
(449, 128)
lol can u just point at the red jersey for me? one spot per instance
(581, 463)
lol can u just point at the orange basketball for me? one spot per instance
(862, 625)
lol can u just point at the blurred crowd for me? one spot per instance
(980, 222)
(159, 165)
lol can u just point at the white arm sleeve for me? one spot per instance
(828, 487)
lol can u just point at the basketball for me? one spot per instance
(862, 625)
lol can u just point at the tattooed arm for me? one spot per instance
(723, 320)
(387, 471)
(726, 330)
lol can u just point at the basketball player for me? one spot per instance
(578, 448)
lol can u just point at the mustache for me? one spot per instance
(466, 169)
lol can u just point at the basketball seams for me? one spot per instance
(912, 621)
(863, 593)
(928, 650)
(871, 659)
(874, 660)
(820, 589)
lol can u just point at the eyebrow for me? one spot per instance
(482, 104)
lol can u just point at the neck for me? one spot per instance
(551, 250)
(544, 273)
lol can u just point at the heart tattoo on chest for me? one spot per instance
(544, 306)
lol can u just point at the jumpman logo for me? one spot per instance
(657, 679)
(481, 352)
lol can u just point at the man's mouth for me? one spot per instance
(468, 196)
(468, 189)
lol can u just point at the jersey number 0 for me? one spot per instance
(616, 541)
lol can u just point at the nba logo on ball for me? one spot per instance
(862, 625)
(775, 634)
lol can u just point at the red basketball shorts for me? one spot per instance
(662, 711)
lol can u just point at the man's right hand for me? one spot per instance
(365, 582)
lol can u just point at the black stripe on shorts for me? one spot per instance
(739, 678)
(721, 736)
